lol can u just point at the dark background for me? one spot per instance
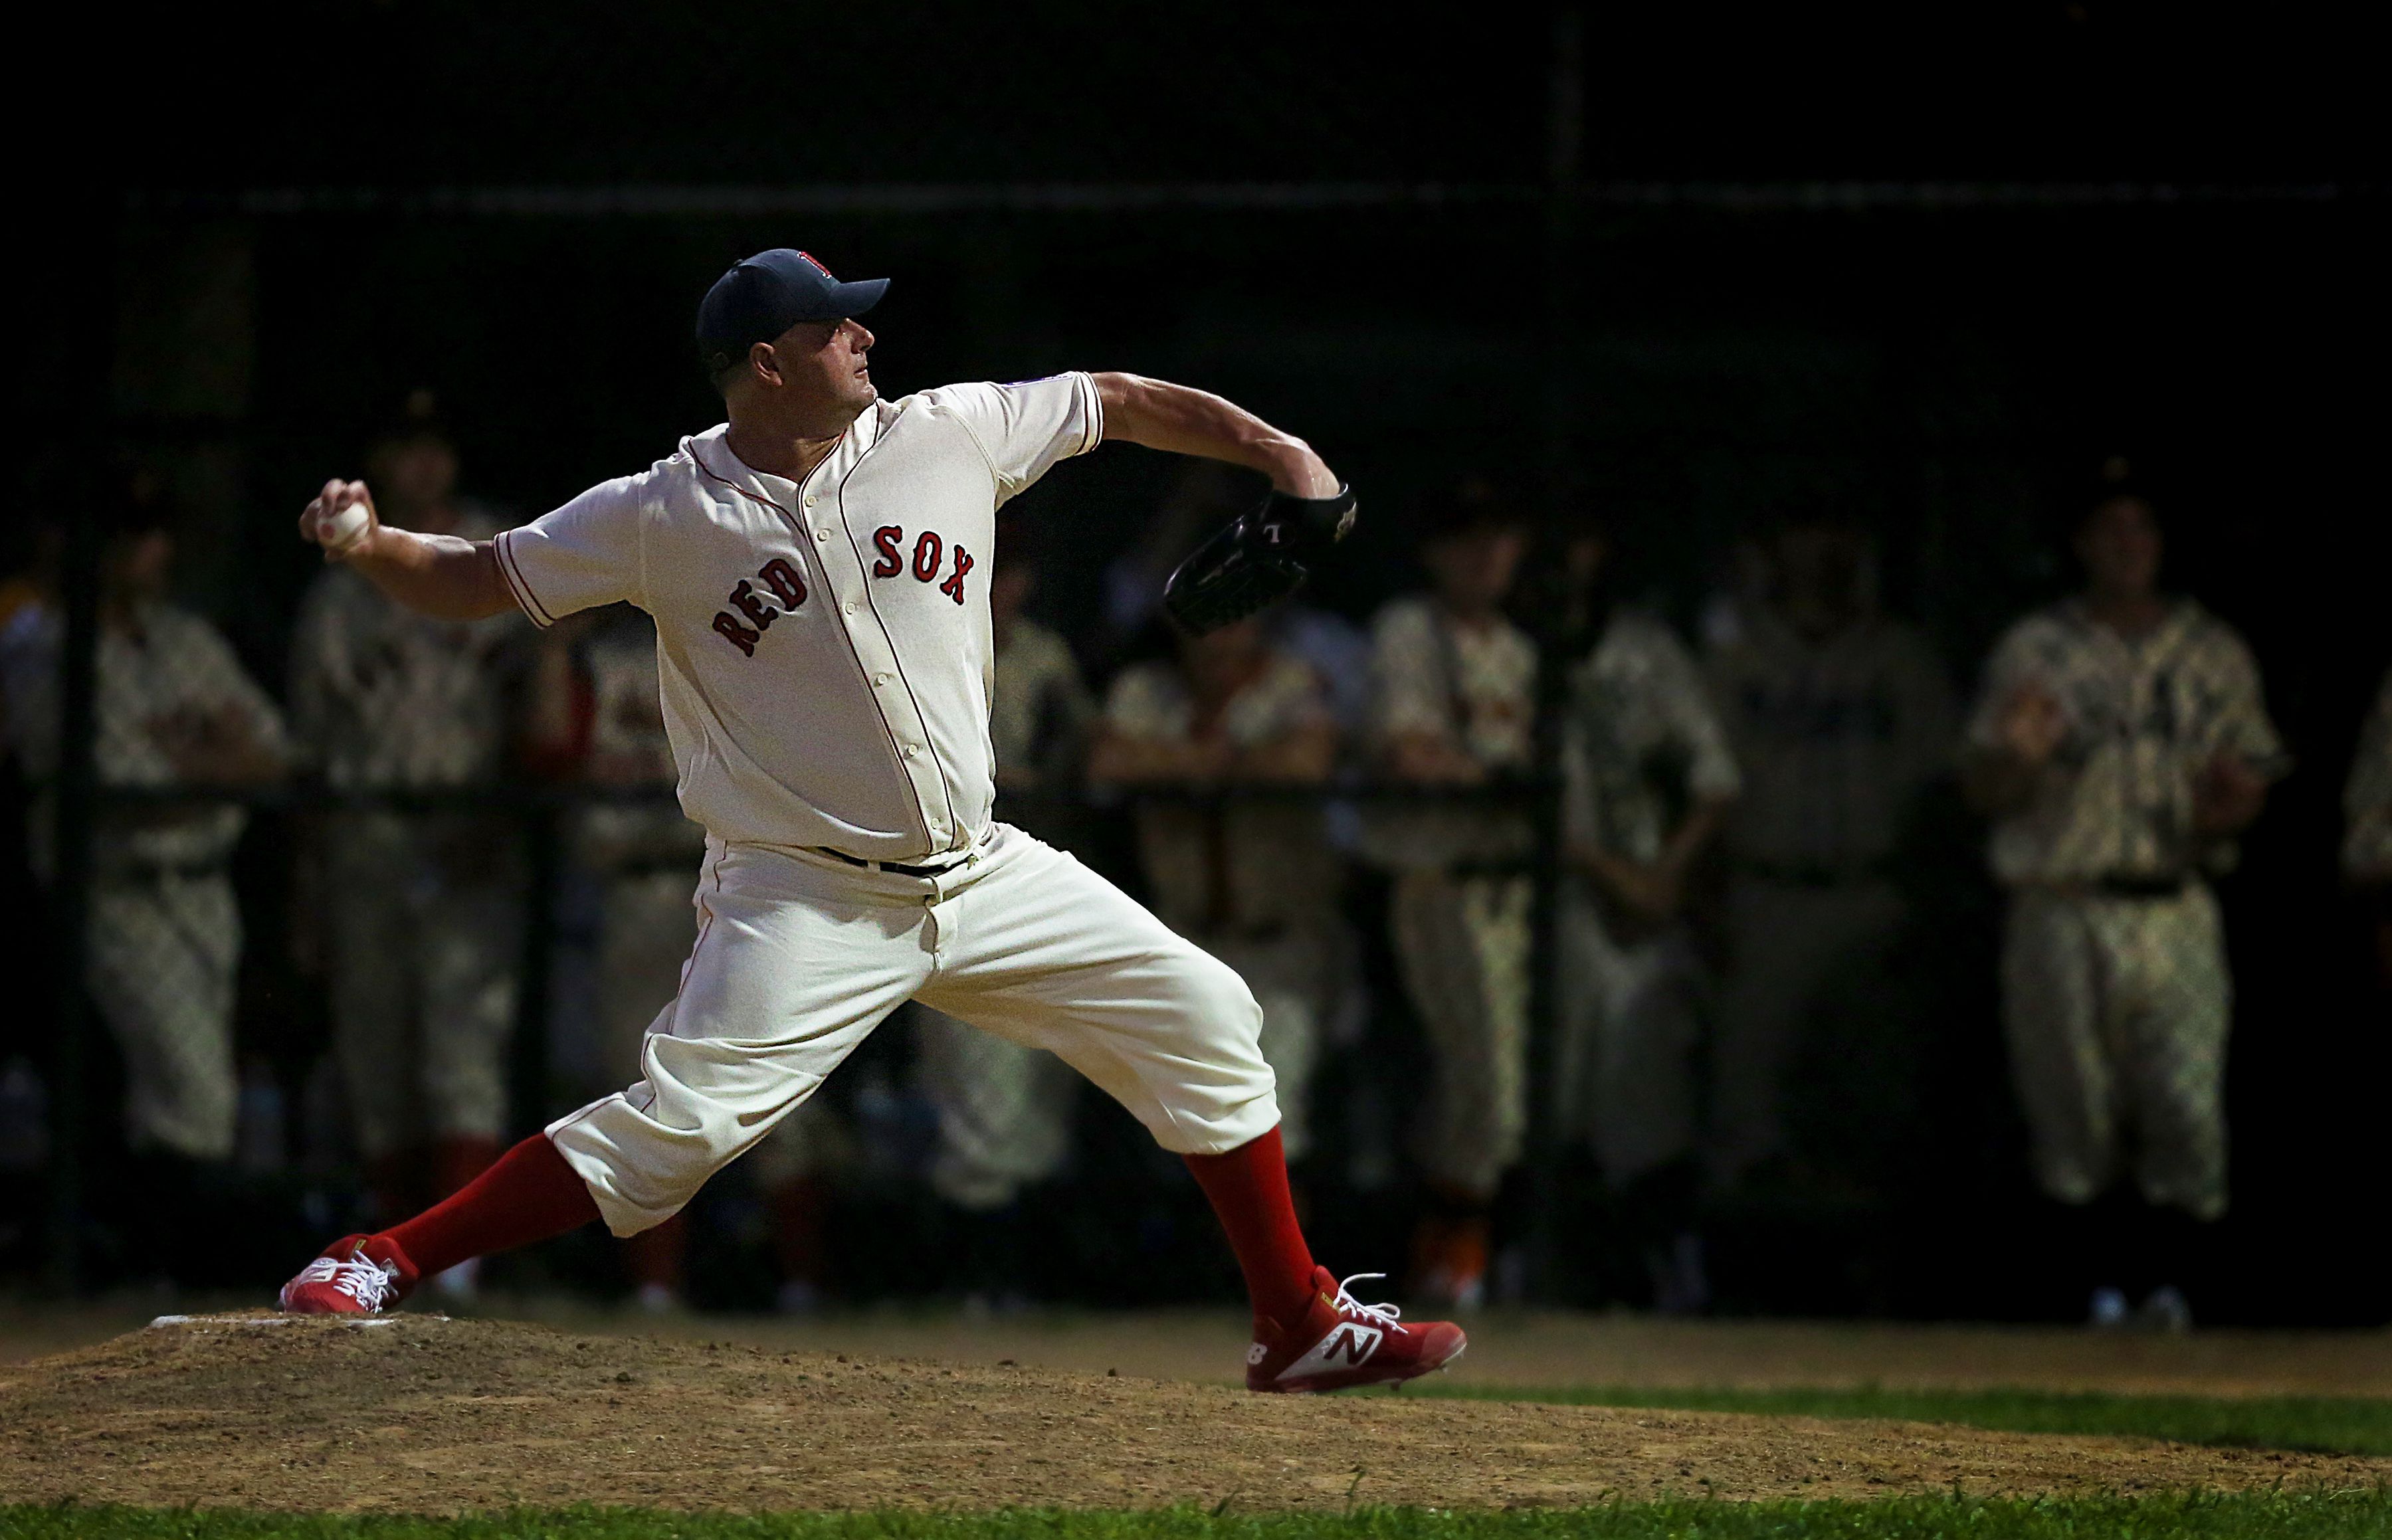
(1932, 267)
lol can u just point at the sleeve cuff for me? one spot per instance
(503, 545)
(1093, 409)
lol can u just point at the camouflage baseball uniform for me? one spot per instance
(1005, 1111)
(1835, 738)
(420, 915)
(165, 937)
(1254, 883)
(2116, 999)
(2367, 798)
(1640, 741)
(1461, 941)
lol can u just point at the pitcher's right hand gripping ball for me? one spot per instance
(1256, 561)
(340, 519)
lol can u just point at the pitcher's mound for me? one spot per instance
(420, 1414)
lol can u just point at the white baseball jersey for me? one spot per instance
(824, 648)
(2144, 717)
(383, 696)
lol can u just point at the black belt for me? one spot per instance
(902, 871)
(1810, 874)
(2122, 887)
(149, 871)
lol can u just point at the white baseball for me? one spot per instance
(345, 529)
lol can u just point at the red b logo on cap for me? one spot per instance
(817, 266)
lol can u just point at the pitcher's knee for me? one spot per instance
(1218, 1000)
(1209, 1088)
(641, 1173)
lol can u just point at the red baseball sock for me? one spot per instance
(1248, 1186)
(529, 1195)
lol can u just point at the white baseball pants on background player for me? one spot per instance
(2117, 1011)
(164, 951)
(801, 955)
(1629, 1034)
(1005, 1112)
(1461, 944)
(1791, 942)
(423, 990)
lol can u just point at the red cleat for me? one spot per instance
(357, 1275)
(1343, 1342)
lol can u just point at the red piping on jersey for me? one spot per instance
(513, 575)
(864, 674)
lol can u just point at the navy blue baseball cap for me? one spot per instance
(770, 292)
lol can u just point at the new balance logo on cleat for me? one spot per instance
(1352, 1343)
(1343, 1342)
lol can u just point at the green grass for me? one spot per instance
(2330, 1425)
(2250, 1516)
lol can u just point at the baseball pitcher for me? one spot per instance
(817, 570)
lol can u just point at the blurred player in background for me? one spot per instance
(1839, 716)
(418, 912)
(1454, 683)
(175, 708)
(2367, 838)
(1648, 781)
(2121, 743)
(1252, 881)
(1004, 1109)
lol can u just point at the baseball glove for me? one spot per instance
(1256, 561)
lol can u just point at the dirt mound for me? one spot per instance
(420, 1414)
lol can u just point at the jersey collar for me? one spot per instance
(712, 452)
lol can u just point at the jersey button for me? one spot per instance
(810, 502)
(822, 536)
(880, 679)
(851, 606)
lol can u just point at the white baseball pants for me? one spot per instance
(1461, 947)
(2117, 1011)
(1005, 1111)
(799, 956)
(422, 985)
(164, 953)
(1630, 1032)
(1791, 943)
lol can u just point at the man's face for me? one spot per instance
(1819, 569)
(419, 474)
(139, 566)
(2120, 545)
(822, 365)
(1473, 570)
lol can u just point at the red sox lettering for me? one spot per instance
(931, 554)
(927, 551)
(787, 587)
